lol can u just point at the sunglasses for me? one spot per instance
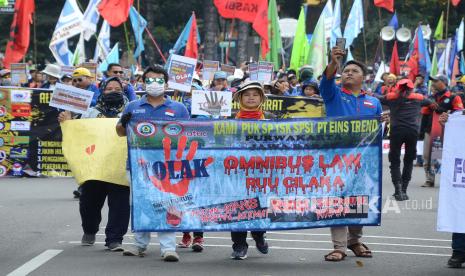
(77, 80)
(118, 72)
(152, 80)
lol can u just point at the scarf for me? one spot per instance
(109, 112)
(250, 114)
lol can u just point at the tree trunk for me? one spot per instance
(242, 38)
(211, 30)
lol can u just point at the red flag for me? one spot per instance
(394, 67)
(455, 2)
(387, 4)
(18, 43)
(413, 61)
(191, 46)
(115, 11)
(253, 11)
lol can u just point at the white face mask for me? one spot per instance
(155, 89)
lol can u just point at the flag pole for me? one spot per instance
(156, 45)
(229, 40)
(127, 41)
(138, 30)
(380, 27)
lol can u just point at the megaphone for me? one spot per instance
(388, 33)
(403, 34)
(426, 31)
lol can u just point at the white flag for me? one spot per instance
(90, 19)
(102, 48)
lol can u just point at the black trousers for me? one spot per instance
(239, 239)
(93, 195)
(397, 138)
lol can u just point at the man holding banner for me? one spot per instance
(154, 105)
(349, 100)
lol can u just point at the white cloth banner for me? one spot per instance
(451, 210)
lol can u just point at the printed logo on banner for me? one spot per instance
(3, 170)
(20, 96)
(146, 129)
(21, 110)
(18, 153)
(459, 173)
(14, 140)
(2, 95)
(173, 129)
(90, 149)
(2, 156)
(2, 142)
(2, 111)
(20, 126)
(17, 169)
(2, 126)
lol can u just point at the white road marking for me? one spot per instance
(300, 248)
(35, 262)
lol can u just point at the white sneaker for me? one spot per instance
(134, 251)
(170, 256)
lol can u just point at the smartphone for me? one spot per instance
(341, 43)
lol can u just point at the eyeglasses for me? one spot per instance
(152, 80)
(77, 80)
(118, 72)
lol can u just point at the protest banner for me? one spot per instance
(229, 69)
(240, 175)
(35, 150)
(451, 208)
(253, 71)
(71, 98)
(18, 73)
(92, 67)
(89, 145)
(181, 72)
(265, 72)
(67, 70)
(209, 69)
(216, 103)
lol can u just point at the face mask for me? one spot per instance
(113, 99)
(155, 89)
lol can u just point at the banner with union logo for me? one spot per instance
(237, 175)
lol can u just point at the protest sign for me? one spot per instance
(209, 69)
(18, 73)
(253, 71)
(67, 70)
(216, 103)
(92, 67)
(240, 175)
(229, 69)
(181, 72)
(451, 207)
(71, 98)
(265, 72)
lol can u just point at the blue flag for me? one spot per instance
(394, 22)
(354, 23)
(336, 26)
(183, 37)
(112, 57)
(138, 26)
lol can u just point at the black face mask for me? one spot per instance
(113, 99)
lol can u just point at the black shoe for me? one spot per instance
(262, 245)
(76, 194)
(239, 253)
(404, 191)
(398, 192)
(457, 259)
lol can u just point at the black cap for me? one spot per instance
(358, 63)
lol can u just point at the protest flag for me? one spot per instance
(138, 24)
(439, 32)
(257, 14)
(90, 19)
(276, 43)
(80, 52)
(115, 11)
(191, 45)
(328, 14)
(394, 66)
(112, 57)
(18, 42)
(455, 3)
(102, 48)
(3, 3)
(300, 47)
(317, 56)
(336, 25)
(387, 4)
(443, 59)
(394, 22)
(418, 61)
(354, 23)
(183, 37)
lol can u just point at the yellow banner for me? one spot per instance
(94, 151)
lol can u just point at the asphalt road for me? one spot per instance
(40, 232)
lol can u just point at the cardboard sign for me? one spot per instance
(229, 69)
(213, 103)
(18, 73)
(253, 71)
(209, 69)
(265, 72)
(71, 98)
(181, 72)
(67, 70)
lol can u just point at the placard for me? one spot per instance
(71, 98)
(214, 103)
(181, 72)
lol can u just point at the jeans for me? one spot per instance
(458, 242)
(167, 240)
(399, 137)
(93, 195)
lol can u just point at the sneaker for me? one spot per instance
(88, 239)
(170, 256)
(76, 194)
(262, 245)
(186, 241)
(197, 245)
(428, 184)
(457, 259)
(134, 251)
(115, 247)
(239, 254)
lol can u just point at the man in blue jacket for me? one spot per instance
(347, 100)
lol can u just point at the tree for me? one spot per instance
(210, 30)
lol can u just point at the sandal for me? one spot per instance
(335, 256)
(360, 250)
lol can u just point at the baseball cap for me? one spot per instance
(220, 75)
(82, 72)
(441, 78)
(462, 79)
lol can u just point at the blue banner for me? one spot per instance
(234, 175)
